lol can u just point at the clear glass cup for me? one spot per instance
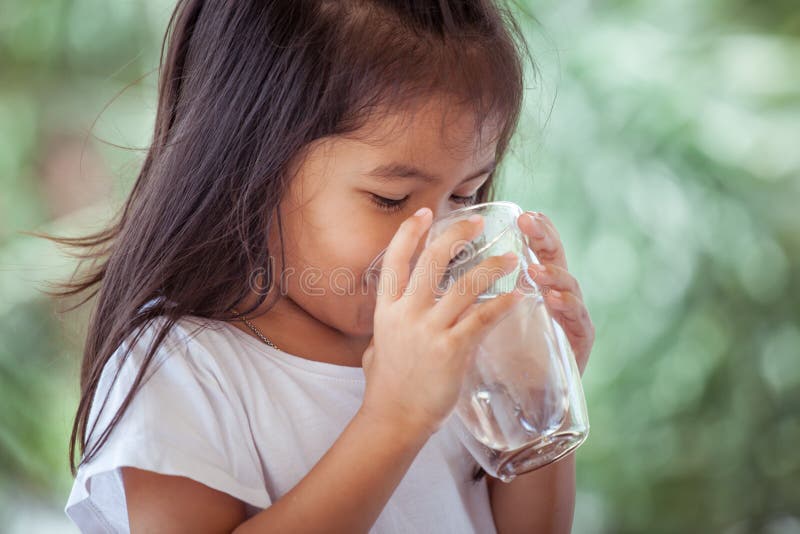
(521, 405)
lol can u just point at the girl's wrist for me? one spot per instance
(416, 429)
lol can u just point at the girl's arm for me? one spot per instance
(351, 484)
(541, 501)
(344, 492)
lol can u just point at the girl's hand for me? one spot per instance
(421, 348)
(561, 291)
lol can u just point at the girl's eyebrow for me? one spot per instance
(389, 172)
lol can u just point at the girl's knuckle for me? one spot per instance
(484, 315)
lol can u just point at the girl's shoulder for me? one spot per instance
(188, 375)
(196, 346)
(185, 418)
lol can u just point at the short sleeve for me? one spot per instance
(184, 420)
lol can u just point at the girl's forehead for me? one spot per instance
(404, 147)
(434, 127)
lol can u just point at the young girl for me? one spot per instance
(234, 378)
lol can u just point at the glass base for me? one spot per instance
(538, 454)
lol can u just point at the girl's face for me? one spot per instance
(348, 197)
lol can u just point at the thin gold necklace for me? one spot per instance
(255, 329)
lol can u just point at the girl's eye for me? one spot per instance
(396, 204)
(466, 200)
(388, 204)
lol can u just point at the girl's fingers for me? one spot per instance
(571, 313)
(395, 268)
(467, 287)
(433, 260)
(543, 238)
(554, 277)
(561, 291)
(567, 305)
(483, 317)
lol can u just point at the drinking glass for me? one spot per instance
(521, 404)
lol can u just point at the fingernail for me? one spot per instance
(422, 211)
(539, 267)
(555, 293)
(474, 218)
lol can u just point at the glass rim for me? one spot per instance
(516, 208)
(506, 204)
(483, 205)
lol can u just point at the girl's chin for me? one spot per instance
(364, 320)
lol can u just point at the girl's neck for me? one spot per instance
(297, 332)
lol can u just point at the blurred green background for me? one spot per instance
(663, 139)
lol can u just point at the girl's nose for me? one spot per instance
(441, 210)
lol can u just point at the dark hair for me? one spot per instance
(243, 87)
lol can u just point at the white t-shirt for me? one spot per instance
(221, 407)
